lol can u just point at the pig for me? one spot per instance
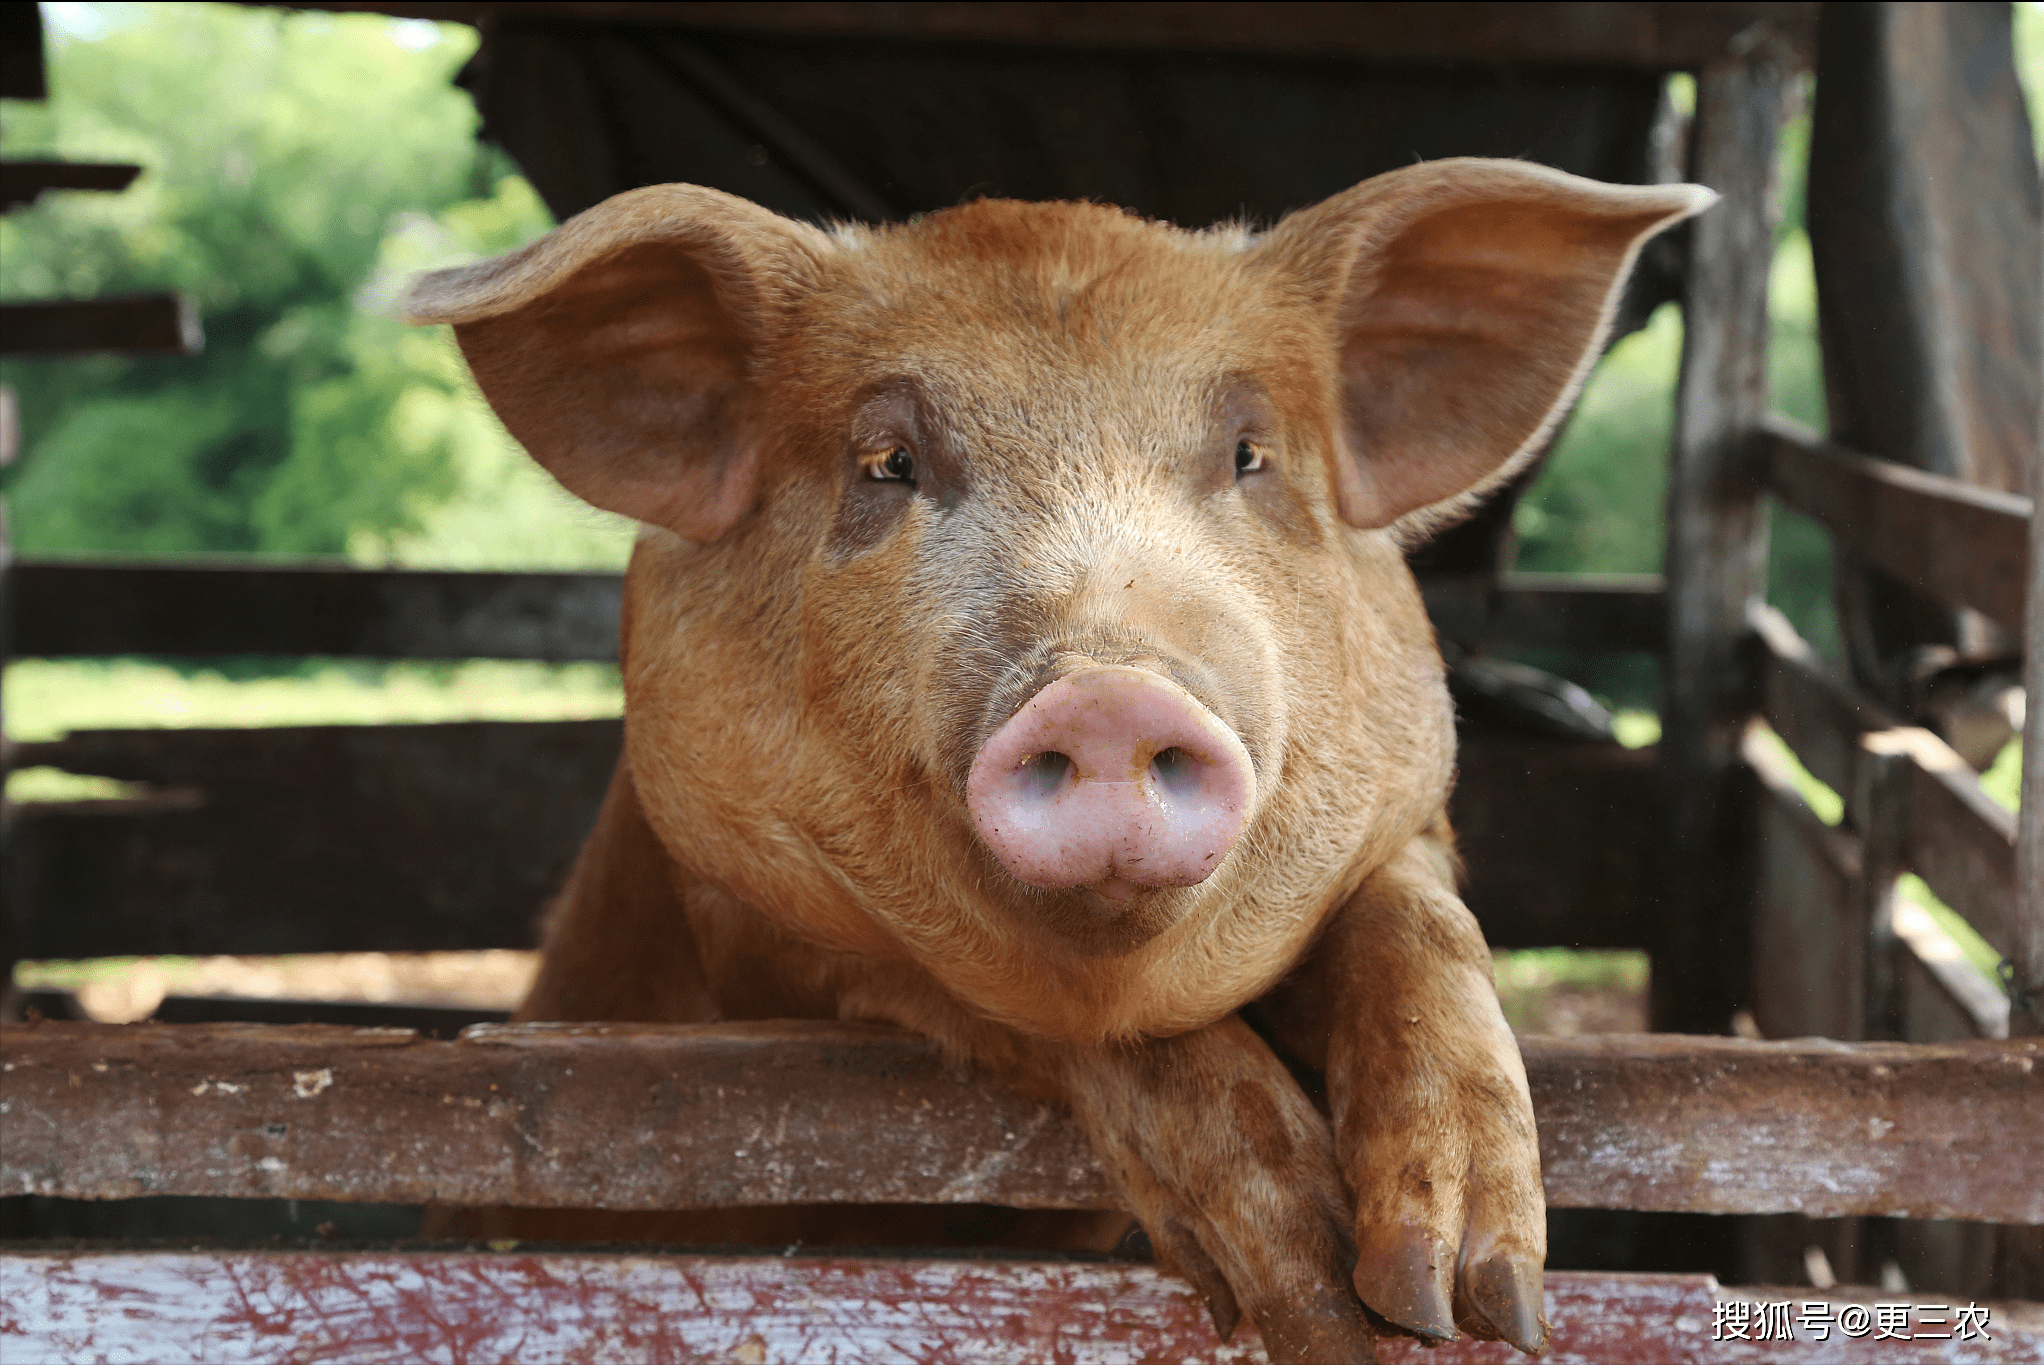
(1018, 648)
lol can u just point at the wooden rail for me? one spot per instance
(1814, 939)
(85, 609)
(23, 182)
(203, 1308)
(646, 1117)
(417, 837)
(164, 324)
(1602, 612)
(1649, 36)
(1952, 540)
(97, 608)
(1958, 839)
(389, 838)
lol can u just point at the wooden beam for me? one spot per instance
(1924, 212)
(1959, 839)
(1652, 36)
(1924, 208)
(1717, 544)
(1820, 717)
(79, 608)
(21, 53)
(2026, 954)
(1944, 996)
(1588, 612)
(1957, 542)
(419, 837)
(23, 182)
(389, 838)
(161, 324)
(1573, 868)
(1809, 942)
(199, 1307)
(646, 1117)
(97, 608)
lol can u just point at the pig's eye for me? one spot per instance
(1248, 458)
(890, 466)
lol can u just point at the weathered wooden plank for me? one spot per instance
(1961, 840)
(142, 323)
(2026, 954)
(1717, 544)
(1951, 540)
(1617, 612)
(1809, 945)
(10, 952)
(95, 608)
(639, 1116)
(2019, 1255)
(1571, 866)
(21, 54)
(1944, 997)
(417, 837)
(1924, 212)
(1653, 36)
(23, 182)
(1820, 717)
(1824, 1129)
(85, 609)
(616, 1116)
(225, 1308)
(306, 839)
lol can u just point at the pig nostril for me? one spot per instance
(1047, 771)
(1174, 769)
(1111, 777)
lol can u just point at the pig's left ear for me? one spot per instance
(1469, 299)
(622, 349)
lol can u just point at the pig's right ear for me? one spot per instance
(1466, 301)
(620, 349)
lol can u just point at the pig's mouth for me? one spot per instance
(1117, 782)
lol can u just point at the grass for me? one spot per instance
(1568, 990)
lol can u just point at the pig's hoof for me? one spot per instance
(1451, 1225)
(1233, 1174)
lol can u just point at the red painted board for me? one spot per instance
(225, 1308)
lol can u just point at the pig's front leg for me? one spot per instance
(1433, 1123)
(1232, 1172)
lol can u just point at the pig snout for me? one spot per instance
(1113, 778)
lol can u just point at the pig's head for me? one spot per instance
(1021, 590)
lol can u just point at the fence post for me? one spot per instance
(1717, 545)
(1924, 212)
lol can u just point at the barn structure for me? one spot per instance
(1889, 1113)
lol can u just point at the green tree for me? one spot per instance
(296, 165)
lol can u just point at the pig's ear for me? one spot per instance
(620, 349)
(1468, 299)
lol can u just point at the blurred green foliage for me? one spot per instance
(296, 168)
(1600, 504)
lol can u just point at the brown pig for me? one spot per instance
(1019, 648)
